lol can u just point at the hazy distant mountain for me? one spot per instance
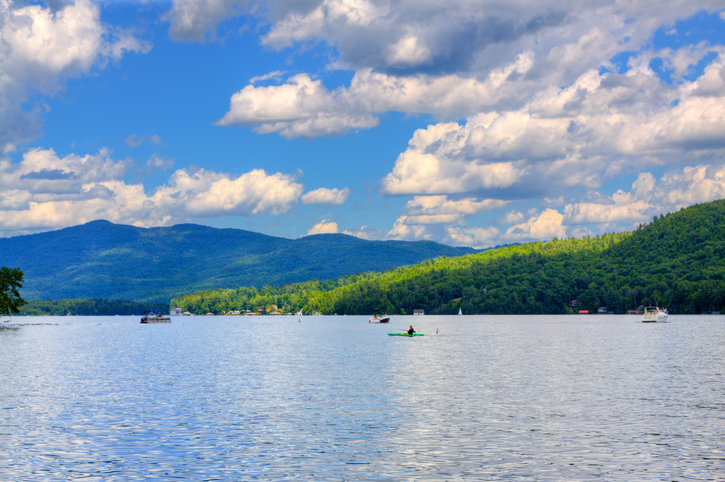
(105, 260)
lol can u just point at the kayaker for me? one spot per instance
(411, 330)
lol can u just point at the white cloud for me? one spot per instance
(205, 193)
(195, 20)
(323, 227)
(436, 205)
(479, 238)
(546, 225)
(303, 107)
(409, 50)
(435, 163)
(39, 48)
(512, 217)
(601, 126)
(401, 230)
(46, 191)
(648, 197)
(327, 196)
(43, 171)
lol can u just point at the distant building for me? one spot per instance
(574, 303)
(602, 310)
(418, 312)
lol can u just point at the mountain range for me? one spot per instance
(105, 260)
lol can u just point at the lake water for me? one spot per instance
(335, 398)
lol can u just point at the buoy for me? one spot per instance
(436, 331)
(299, 320)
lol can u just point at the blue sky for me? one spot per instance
(472, 123)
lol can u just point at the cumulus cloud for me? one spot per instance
(45, 191)
(443, 205)
(649, 197)
(546, 225)
(304, 107)
(195, 20)
(323, 227)
(602, 125)
(39, 48)
(327, 196)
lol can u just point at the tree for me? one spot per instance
(10, 281)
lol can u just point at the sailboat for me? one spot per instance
(460, 312)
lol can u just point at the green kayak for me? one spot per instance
(405, 334)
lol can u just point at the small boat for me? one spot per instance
(405, 334)
(154, 316)
(379, 318)
(176, 311)
(653, 314)
(460, 311)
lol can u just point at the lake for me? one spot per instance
(334, 398)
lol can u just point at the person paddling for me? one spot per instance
(411, 330)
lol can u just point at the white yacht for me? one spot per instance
(653, 314)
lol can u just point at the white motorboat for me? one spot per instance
(379, 319)
(653, 314)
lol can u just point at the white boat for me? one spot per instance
(653, 314)
(460, 311)
(379, 318)
(176, 311)
(154, 317)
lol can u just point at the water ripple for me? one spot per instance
(490, 398)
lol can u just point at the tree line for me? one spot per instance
(676, 261)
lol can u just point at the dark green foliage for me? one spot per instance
(677, 261)
(105, 260)
(11, 280)
(90, 307)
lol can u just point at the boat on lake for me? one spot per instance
(154, 316)
(653, 314)
(176, 311)
(379, 318)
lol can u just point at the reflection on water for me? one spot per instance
(332, 398)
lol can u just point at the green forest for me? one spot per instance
(676, 261)
(89, 307)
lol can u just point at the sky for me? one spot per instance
(466, 122)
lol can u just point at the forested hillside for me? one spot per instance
(112, 261)
(676, 261)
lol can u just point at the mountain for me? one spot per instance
(677, 261)
(105, 260)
